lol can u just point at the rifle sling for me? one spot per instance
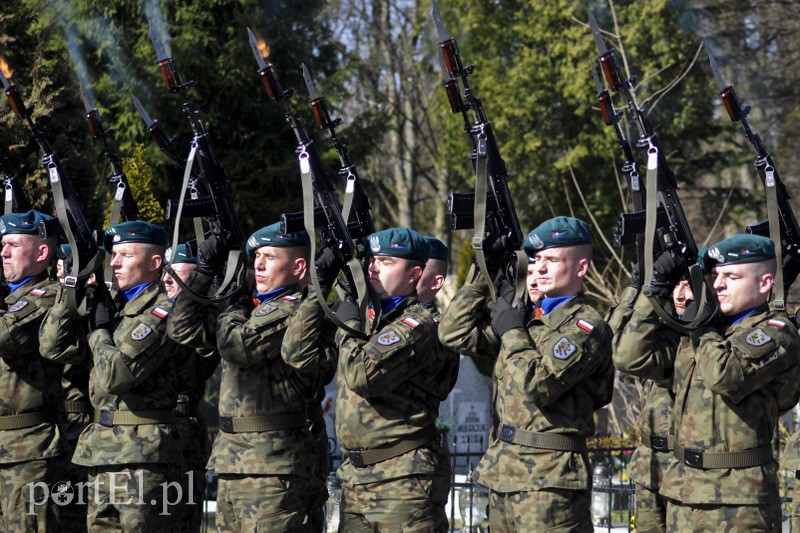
(481, 186)
(778, 301)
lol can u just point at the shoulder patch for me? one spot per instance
(264, 311)
(159, 312)
(388, 338)
(38, 292)
(17, 306)
(289, 298)
(757, 338)
(411, 322)
(141, 332)
(776, 323)
(585, 325)
(563, 349)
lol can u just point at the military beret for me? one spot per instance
(28, 224)
(404, 243)
(556, 232)
(63, 251)
(438, 249)
(137, 231)
(271, 236)
(702, 258)
(179, 255)
(741, 248)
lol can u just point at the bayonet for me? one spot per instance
(160, 51)
(717, 76)
(262, 64)
(87, 100)
(312, 91)
(598, 38)
(596, 77)
(143, 113)
(437, 20)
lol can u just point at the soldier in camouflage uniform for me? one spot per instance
(263, 453)
(192, 368)
(32, 447)
(730, 383)
(396, 473)
(130, 449)
(553, 370)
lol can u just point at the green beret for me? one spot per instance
(556, 232)
(742, 248)
(179, 256)
(63, 251)
(439, 250)
(702, 258)
(271, 236)
(134, 231)
(404, 243)
(28, 224)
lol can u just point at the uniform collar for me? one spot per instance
(16, 285)
(563, 311)
(745, 316)
(144, 299)
(271, 295)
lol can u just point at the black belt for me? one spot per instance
(254, 424)
(362, 458)
(744, 459)
(314, 410)
(187, 409)
(131, 418)
(658, 443)
(545, 441)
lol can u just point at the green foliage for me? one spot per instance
(140, 178)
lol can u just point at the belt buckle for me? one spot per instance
(659, 443)
(507, 433)
(226, 424)
(107, 418)
(693, 458)
(356, 458)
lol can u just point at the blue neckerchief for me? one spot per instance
(548, 304)
(264, 296)
(735, 319)
(134, 291)
(14, 286)
(680, 317)
(390, 303)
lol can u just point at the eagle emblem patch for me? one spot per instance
(264, 311)
(141, 332)
(388, 338)
(757, 338)
(17, 306)
(375, 244)
(536, 241)
(563, 349)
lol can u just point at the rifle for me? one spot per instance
(489, 210)
(217, 207)
(121, 190)
(780, 211)
(667, 231)
(318, 193)
(77, 230)
(15, 199)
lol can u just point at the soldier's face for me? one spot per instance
(681, 295)
(135, 263)
(532, 283)
(560, 271)
(393, 276)
(23, 256)
(741, 287)
(171, 287)
(277, 267)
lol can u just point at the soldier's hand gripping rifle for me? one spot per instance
(123, 201)
(217, 207)
(15, 199)
(319, 196)
(781, 226)
(489, 211)
(87, 257)
(664, 224)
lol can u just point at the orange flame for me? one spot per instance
(263, 47)
(7, 72)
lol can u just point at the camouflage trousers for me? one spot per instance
(26, 495)
(795, 518)
(136, 497)
(318, 492)
(651, 511)
(262, 503)
(728, 518)
(409, 504)
(552, 510)
(193, 440)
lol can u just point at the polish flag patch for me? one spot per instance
(289, 298)
(160, 313)
(585, 326)
(776, 323)
(411, 322)
(37, 292)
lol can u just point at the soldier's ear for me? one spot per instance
(156, 261)
(300, 266)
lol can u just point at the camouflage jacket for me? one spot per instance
(132, 373)
(257, 382)
(62, 339)
(645, 347)
(729, 388)
(28, 382)
(388, 387)
(191, 323)
(550, 379)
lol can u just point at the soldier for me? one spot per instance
(553, 370)
(396, 473)
(263, 453)
(192, 368)
(432, 279)
(130, 449)
(32, 447)
(729, 389)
